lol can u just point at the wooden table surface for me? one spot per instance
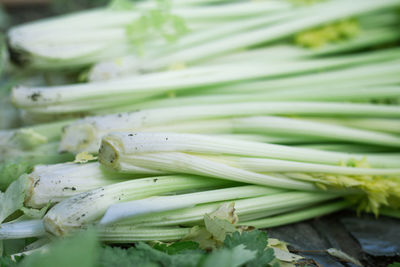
(375, 242)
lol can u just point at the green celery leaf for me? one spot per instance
(255, 241)
(7, 262)
(14, 197)
(35, 213)
(156, 23)
(217, 225)
(219, 228)
(80, 250)
(145, 255)
(12, 246)
(233, 257)
(27, 139)
(114, 256)
(176, 247)
(11, 170)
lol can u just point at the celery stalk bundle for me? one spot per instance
(45, 45)
(253, 162)
(244, 118)
(211, 54)
(270, 111)
(91, 97)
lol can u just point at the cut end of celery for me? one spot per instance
(108, 154)
(54, 226)
(80, 138)
(32, 183)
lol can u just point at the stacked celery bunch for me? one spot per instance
(285, 110)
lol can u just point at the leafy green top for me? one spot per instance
(330, 33)
(154, 24)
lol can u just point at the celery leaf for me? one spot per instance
(80, 250)
(14, 197)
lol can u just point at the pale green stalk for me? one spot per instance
(109, 234)
(119, 149)
(264, 165)
(257, 207)
(355, 76)
(154, 228)
(332, 93)
(377, 34)
(54, 183)
(87, 207)
(331, 10)
(29, 137)
(104, 30)
(135, 208)
(274, 139)
(296, 216)
(279, 126)
(175, 162)
(129, 234)
(86, 134)
(374, 124)
(281, 52)
(15, 162)
(149, 84)
(355, 148)
(42, 154)
(21, 229)
(367, 38)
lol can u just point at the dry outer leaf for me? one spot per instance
(84, 157)
(343, 256)
(282, 253)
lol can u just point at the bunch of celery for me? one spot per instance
(235, 55)
(85, 38)
(273, 111)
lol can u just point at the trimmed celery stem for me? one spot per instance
(144, 86)
(128, 234)
(297, 216)
(42, 154)
(356, 76)
(91, 205)
(86, 134)
(109, 234)
(54, 183)
(333, 10)
(355, 148)
(265, 138)
(283, 126)
(119, 147)
(374, 124)
(256, 207)
(184, 163)
(28, 137)
(263, 165)
(22, 229)
(134, 208)
(38, 39)
(342, 92)
(15, 162)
